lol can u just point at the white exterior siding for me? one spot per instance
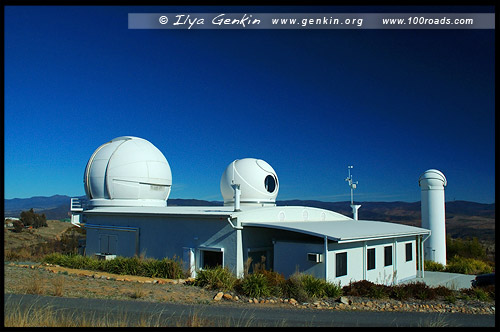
(354, 262)
(164, 237)
(183, 237)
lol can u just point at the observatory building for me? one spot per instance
(127, 183)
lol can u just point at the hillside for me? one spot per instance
(463, 219)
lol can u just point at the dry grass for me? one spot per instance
(47, 316)
(35, 286)
(138, 291)
(58, 284)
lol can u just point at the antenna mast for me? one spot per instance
(352, 185)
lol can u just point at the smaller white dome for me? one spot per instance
(127, 171)
(432, 179)
(257, 179)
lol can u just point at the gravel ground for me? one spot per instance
(20, 278)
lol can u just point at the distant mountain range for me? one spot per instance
(463, 218)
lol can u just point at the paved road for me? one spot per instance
(226, 315)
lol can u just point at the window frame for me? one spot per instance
(343, 267)
(409, 251)
(373, 259)
(388, 259)
(201, 250)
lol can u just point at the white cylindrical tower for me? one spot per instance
(432, 183)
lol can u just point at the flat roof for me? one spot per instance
(346, 230)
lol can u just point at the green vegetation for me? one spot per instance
(467, 266)
(32, 219)
(466, 256)
(165, 268)
(67, 243)
(467, 248)
(255, 285)
(216, 278)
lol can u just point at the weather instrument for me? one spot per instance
(352, 185)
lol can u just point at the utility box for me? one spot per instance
(314, 257)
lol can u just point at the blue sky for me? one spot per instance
(393, 103)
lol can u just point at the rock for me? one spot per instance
(255, 300)
(250, 301)
(292, 301)
(227, 297)
(218, 296)
(236, 298)
(344, 300)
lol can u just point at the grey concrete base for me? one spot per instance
(450, 280)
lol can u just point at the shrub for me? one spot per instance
(18, 226)
(166, 268)
(400, 292)
(293, 288)
(255, 285)
(379, 291)
(275, 281)
(443, 291)
(358, 288)
(433, 266)
(216, 278)
(476, 293)
(333, 290)
(467, 248)
(30, 218)
(421, 291)
(467, 266)
(314, 287)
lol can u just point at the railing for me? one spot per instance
(76, 205)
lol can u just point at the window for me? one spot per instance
(371, 259)
(341, 264)
(388, 256)
(210, 258)
(409, 252)
(270, 183)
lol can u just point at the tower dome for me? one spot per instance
(127, 171)
(257, 179)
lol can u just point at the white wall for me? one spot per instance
(165, 237)
(357, 261)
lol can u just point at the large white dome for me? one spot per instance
(127, 171)
(257, 179)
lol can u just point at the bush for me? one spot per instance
(314, 287)
(477, 293)
(400, 292)
(332, 290)
(275, 282)
(421, 291)
(293, 288)
(18, 226)
(467, 266)
(166, 268)
(218, 278)
(30, 218)
(433, 266)
(467, 248)
(255, 285)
